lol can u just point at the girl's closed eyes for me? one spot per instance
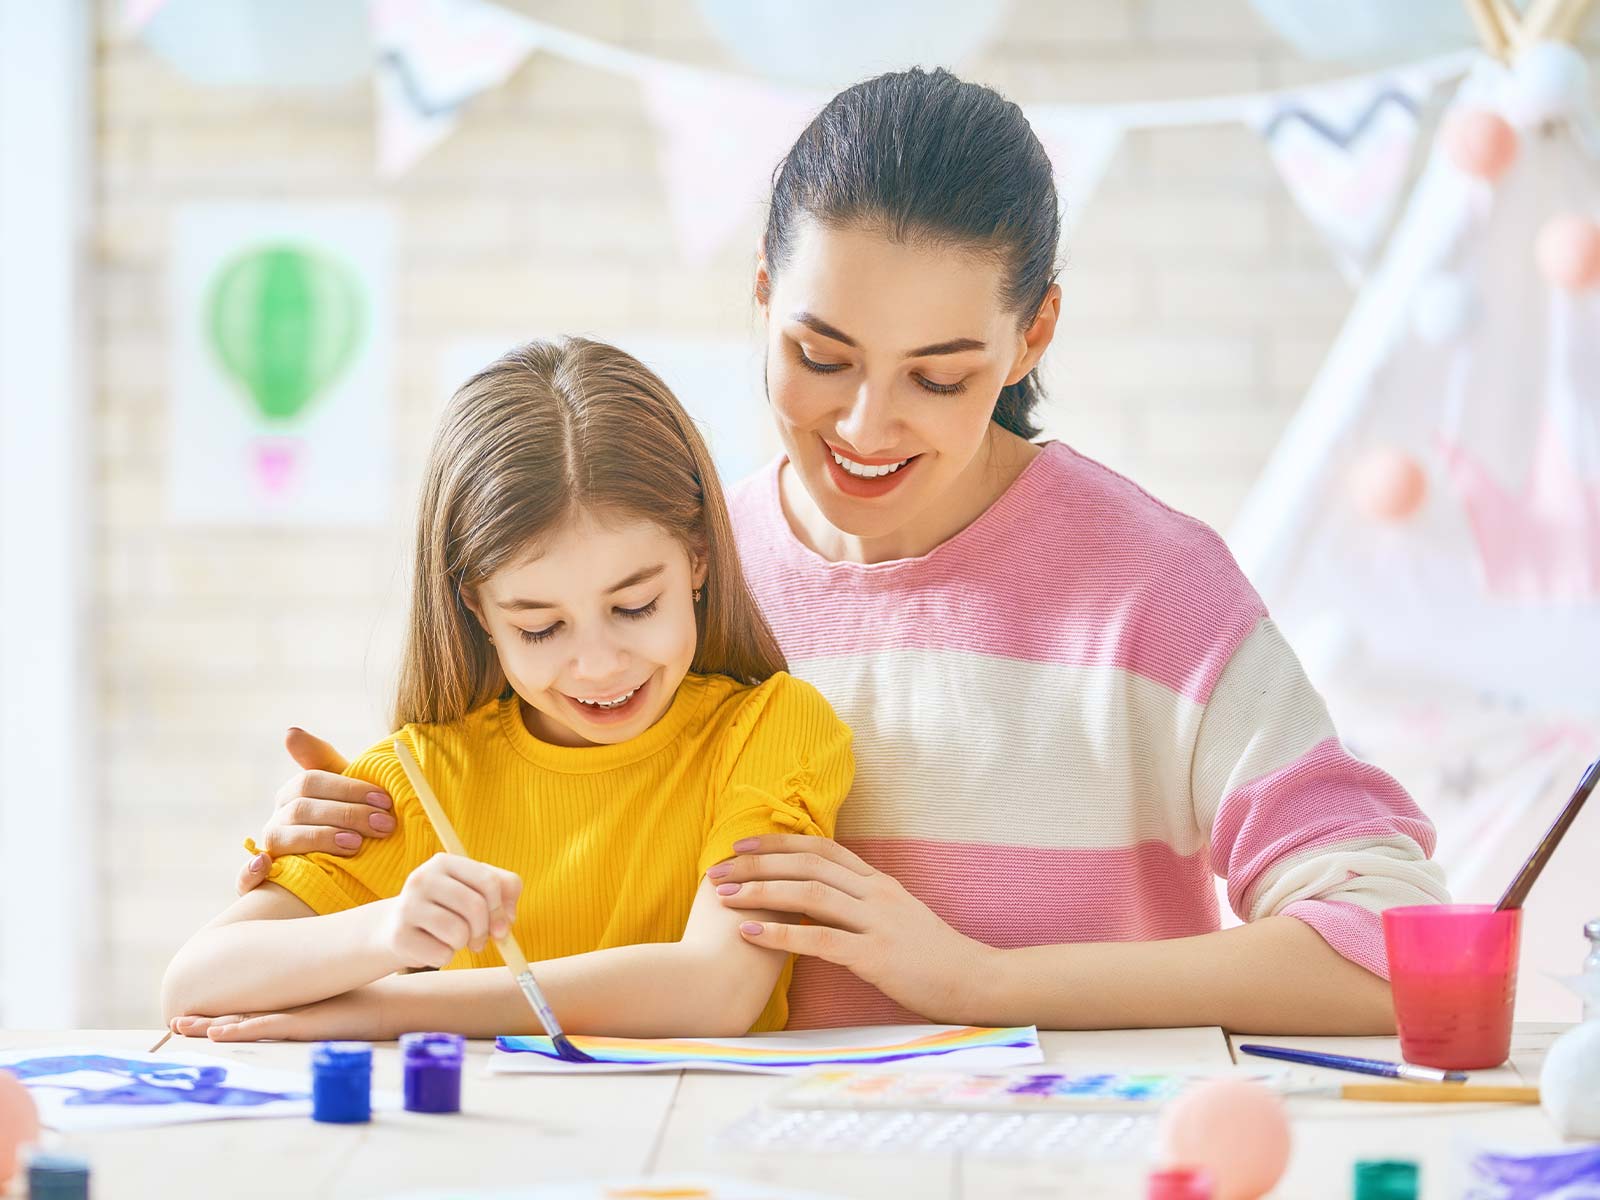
(549, 631)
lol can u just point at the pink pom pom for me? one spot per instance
(1480, 142)
(1568, 252)
(19, 1123)
(1388, 484)
(1235, 1130)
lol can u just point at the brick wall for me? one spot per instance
(1198, 305)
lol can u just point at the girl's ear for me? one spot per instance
(469, 597)
(699, 567)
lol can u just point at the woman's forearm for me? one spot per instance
(270, 965)
(1273, 976)
(666, 989)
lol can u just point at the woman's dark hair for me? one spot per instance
(924, 155)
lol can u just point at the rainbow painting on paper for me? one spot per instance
(953, 1047)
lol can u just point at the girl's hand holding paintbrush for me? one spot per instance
(448, 903)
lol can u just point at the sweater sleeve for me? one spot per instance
(1297, 825)
(790, 770)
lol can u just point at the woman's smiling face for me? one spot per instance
(884, 361)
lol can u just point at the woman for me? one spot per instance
(1070, 708)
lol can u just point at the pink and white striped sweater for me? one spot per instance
(1067, 717)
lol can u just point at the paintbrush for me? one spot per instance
(515, 960)
(1419, 1093)
(1523, 883)
(165, 1038)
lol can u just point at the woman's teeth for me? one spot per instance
(620, 700)
(865, 472)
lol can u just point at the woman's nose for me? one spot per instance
(868, 424)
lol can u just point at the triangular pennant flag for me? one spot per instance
(1080, 145)
(136, 14)
(721, 138)
(433, 57)
(1344, 152)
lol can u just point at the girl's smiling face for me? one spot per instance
(884, 361)
(596, 630)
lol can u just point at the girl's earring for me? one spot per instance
(697, 595)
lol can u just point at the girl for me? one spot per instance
(1071, 709)
(591, 690)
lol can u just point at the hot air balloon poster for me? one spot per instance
(281, 334)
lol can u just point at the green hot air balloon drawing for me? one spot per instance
(285, 321)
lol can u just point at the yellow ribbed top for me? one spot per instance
(610, 841)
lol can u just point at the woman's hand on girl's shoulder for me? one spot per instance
(318, 810)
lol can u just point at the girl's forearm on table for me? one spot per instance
(1273, 976)
(665, 989)
(271, 965)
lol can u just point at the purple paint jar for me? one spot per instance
(433, 1071)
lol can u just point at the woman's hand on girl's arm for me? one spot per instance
(317, 810)
(1275, 975)
(862, 919)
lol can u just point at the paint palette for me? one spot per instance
(1037, 1089)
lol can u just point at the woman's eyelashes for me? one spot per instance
(531, 636)
(927, 385)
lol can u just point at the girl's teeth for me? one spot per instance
(620, 700)
(861, 472)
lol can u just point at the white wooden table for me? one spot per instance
(517, 1130)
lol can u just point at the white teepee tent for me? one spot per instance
(1428, 530)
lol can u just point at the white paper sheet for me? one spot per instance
(951, 1047)
(81, 1088)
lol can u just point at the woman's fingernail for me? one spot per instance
(379, 800)
(718, 871)
(752, 928)
(727, 889)
(744, 845)
(259, 864)
(381, 822)
(499, 929)
(347, 841)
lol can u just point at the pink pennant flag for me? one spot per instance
(1080, 145)
(721, 137)
(1344, 152)
(433, 57)
(276, 462)
(136, 14)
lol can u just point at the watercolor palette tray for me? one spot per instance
(1082, 1137)
(1031, 1090)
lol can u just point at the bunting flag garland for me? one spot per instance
(1343, 148)
(1344, 151)
(721, 137)
(433, 56)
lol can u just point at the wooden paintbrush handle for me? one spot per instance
(509, 950)
(1439, 1093)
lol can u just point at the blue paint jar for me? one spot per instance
(341, 1082)
(58, 1177)
(433, 1071)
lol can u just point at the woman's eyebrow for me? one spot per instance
(951, 346)
(639, 576)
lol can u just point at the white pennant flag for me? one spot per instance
(1080, 145)
(1344, 152)
(433, 57)
(720, 139)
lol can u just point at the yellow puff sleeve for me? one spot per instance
(330, 883)
(789, 768)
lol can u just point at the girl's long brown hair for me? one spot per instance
(550, 430)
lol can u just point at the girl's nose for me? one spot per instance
(598, 659)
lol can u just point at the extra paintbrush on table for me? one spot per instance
(515, 960)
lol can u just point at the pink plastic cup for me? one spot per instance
(1453, 971)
